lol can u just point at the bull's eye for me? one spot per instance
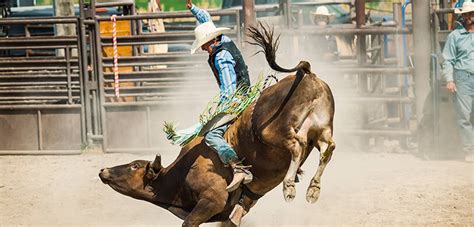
(134, 166)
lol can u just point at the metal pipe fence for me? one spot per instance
(377, 91)
(151, 83)
(40, 90)
(148, 81)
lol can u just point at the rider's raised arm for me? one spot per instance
(201, 15)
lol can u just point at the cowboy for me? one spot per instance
(230, 71)
(326, 45)
(458, 70)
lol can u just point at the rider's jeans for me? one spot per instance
(215, 140)
(464, 107)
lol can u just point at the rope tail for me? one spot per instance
(267, 81)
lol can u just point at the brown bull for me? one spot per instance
(275, 135)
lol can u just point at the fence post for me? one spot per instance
(362, 60)
(84, 69)
(435, 101)
(100, 82)
(422, 49)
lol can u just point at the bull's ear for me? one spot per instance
(150, 173)
(156, 164)
(153, 168)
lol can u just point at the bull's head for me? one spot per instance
(132, 179)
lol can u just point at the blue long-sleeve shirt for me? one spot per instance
(224, 62)
(458, 53)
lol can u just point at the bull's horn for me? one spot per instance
(156, 165)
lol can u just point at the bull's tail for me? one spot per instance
(265, 39)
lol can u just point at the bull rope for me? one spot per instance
(113, 18)
(234, 103)
(253, 124)
(266, 82)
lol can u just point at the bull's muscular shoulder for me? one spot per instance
(199, 159)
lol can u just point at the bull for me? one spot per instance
(275, 135)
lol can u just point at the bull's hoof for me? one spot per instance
(289, 191)
(312, 195)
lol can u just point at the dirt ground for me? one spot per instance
(357, 189)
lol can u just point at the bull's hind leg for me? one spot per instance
(296, 147)
(326, 147)
(289, 190)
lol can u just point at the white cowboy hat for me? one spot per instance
(322, 10)
(204, 33)
(466, 8)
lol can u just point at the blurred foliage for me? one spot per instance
(382, 5)
(166, 5)
(44, 2)
(177, 5)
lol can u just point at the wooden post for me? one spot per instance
(286, 6)
(362, 60)
(422, 48)
(64, 8)
(250, 18)
(360, 21)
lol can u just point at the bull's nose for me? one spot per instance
(104, 172)
(104, 175)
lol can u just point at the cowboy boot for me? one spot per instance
(241, 175)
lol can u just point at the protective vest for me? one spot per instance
(240, 67)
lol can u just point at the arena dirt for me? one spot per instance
(357, 189)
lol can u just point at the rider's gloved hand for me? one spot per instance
(189, 4)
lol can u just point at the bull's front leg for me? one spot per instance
(208, 205)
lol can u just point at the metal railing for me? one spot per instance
(149, 81)
(379, 97)
(41, 90)
(154, 81)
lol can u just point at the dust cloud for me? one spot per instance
(358, 188)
